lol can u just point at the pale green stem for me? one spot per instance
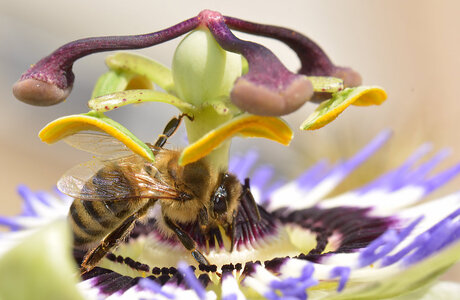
(204, 121)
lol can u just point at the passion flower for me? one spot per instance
(286, 241)
(377, 241)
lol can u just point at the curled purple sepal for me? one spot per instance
(314, 61)
(268, 88)
(50, 80)
(45, 83)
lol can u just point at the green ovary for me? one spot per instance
(202, 70)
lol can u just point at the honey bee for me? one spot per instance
(113, 192)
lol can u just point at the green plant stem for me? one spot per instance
(204, 121)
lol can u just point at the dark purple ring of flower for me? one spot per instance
(267, 89)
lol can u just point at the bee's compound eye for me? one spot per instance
(219, 200)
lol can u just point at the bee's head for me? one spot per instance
(224, 198)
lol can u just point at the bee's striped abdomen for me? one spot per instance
(92, 220)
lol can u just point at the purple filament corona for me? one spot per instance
(322, 171)
(295, 287)
(191, 280)
(343, 273)
(437, 237)
(385, 244)
(154, 287)
(410, 175)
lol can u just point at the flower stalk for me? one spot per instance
(205, 121)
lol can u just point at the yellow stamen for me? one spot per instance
(69, 125)
(246, 125)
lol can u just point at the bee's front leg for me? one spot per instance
(186, 240)
(169, 130)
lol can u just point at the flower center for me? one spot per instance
(269, 240)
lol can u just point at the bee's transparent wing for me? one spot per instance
(98, 143)
(119, 179)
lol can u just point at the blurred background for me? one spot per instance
(411, 48)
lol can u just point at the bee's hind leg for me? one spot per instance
(93, 257)
(187, 241)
